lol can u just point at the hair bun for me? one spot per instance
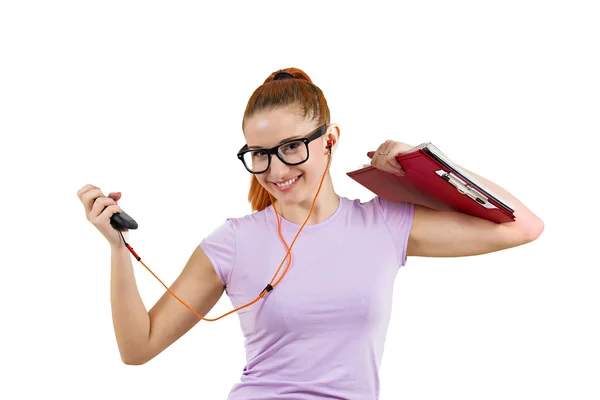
(282, 75)
(288, 73)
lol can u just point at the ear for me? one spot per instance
(332, 137)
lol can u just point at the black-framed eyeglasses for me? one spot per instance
(291, 152)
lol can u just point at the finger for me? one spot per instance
(379, 155)
(375, 155)
(116, 196)
(381, 149)
(88, 198)
(393, 162)
(395, 166)
(105, 215)
(99, 205)
(85, 189)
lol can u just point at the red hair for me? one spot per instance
(299, 92)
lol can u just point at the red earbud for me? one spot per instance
(329, 142)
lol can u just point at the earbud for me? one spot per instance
(330, 145)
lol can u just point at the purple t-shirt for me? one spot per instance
(320, 333)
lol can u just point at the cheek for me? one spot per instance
(318, 161)
(314, 171)
(262, 179)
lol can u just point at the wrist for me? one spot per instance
(117, 247)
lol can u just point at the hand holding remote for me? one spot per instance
(105, 214)
(123, 222)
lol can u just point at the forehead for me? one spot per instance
(269, 128)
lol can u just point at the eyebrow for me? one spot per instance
(283, 141)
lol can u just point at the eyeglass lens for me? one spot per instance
(295, 152)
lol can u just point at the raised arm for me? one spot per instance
(453, 234)
(142, 335)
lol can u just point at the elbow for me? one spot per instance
(133, 360)
(520, 233)
(133, 357)
(532, 231)
(535, 230)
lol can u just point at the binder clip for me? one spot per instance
(463, 188)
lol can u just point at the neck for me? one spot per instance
(326, 205)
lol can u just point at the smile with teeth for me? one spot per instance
(287, 183)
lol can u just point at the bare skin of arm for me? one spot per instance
(454, 234)
(142, 335)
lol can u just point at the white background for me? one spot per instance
(147, 98)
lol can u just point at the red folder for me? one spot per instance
(433, 181)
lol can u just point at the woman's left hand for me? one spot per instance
(384, 158)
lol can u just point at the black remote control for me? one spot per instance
(122, 220)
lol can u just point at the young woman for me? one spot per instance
(315, 323)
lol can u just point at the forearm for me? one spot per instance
(130, 318)
(525, 219)
(526, 225)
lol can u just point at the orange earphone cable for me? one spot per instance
(271, 284)
(312, 207)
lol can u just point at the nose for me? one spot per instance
(278, 169)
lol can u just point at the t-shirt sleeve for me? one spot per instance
(398, 217)
(220, 247)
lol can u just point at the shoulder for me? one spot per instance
(231, 229)
(236, 224)
(386, 218)
(381, 209)
(250, 222)
(222, 244)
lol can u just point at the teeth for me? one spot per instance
(288, 183)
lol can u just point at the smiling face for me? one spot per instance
(288, 184)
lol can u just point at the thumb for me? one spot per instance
(116, 196)
(370, 154)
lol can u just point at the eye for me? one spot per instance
(259, 154)
(291, 147)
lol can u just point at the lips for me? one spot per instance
(286, 183)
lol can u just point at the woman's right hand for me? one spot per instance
(99, 209)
